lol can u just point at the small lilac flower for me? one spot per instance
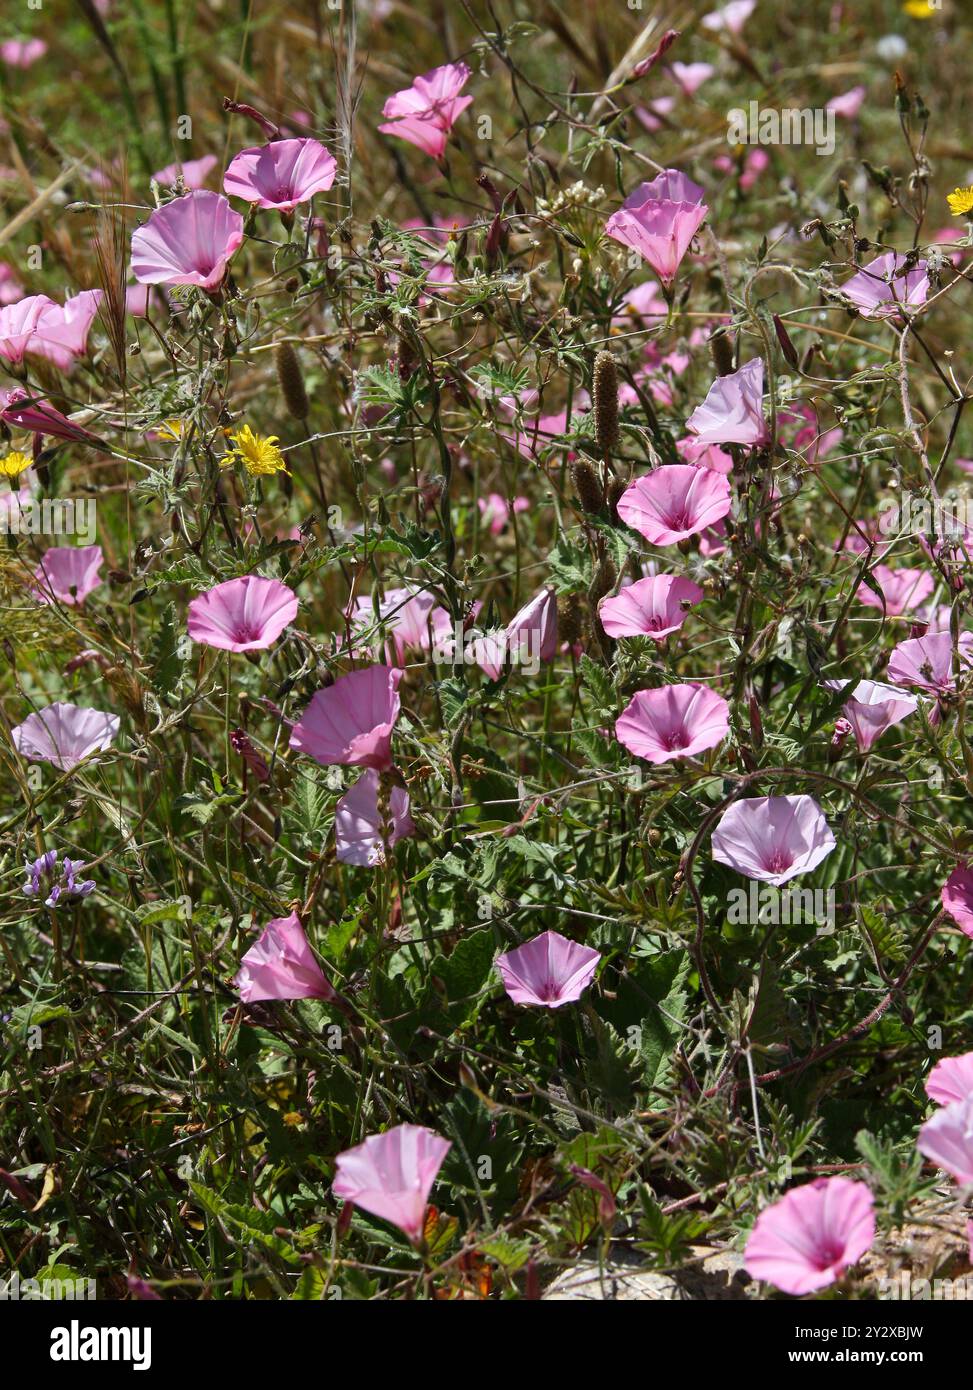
(61, 885)
(884, 286)
(549, 971)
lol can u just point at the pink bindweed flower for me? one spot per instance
(17, 324)
(673, 721)
(242, 615)
(732, 412)
(957, 898)
(358, 824)
(549, 970)
(652, 607)
(532, 631)
(193, 172)
(872, 708)
(68, 574)
(812, 1235)
(282, 174)
(426, 112)
(391, 1175)
(496, 510)
(22, 53)
(814, 443)
(10, 287)
(408, 613)
(674, 501)
(653, 116)
(904, 590)
(702, 455)
(61, 331)
(947, 1139)
(659, 220)
(773, 838)
(691, 76)
(731, 18)
(64, 734)
(28, 412)
(951, 1079)
(351, 722)
(187, 242)
(281, 965)
(925, 662)
(848, 104)
(884, 286)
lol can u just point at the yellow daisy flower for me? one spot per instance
(171, 429)
(14, 464)
(919, 9)
(960, 201)
(259, 453)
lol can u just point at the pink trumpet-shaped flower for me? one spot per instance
(187, 242)
(61, 332)
(358, 824)
(532, 631)
(848, 104)
(951, 1079)
(242, 615)
(703, 455)
(731, 18)
(773, 838)
(426, 112)
(732, 412)
(68, 574)
(957, 898)
(548, 970)
(652, 607)
(193, 172)
(17, 324)
(28, 412)
(812, 1235)
(691, 76)
(281, 965)
(903, 590)
(659, 220)
(391, 1175)
(64, 734)
(22, 53)
(673, 721)
(11, 290)
(872, 708)
(925, 662)
(947, 1139)
(881, 288)
(407, 612)
(351, 722)
(282, 174)
(674, 501)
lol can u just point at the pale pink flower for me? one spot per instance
(391, 1175)
(242, 615)
(673, 721)
(773, 838)
(426, 112)
(61, 331)
(351, 722)
(496, 510)
(64, 734)
(925, 662)
(650, 115)
(68, 574)
(10, 287)
(659, 220)
(532, 631)
(702, 455)
(808, 439)
(187, 242)
(281, 965)
(731, 18)
(194, 172)
(904, 590)
(17, 324)
(674, 501)
(358, 825)
(848, 104)
(281, 174)
(22, 53)
(957, 898)
(812, 1235)
(947, 1139)
(549, 970)
(881, 288)
(691, 76)
(951, 1079)
(732, 412)
(872, 708)
(408, 613)
(652, 607)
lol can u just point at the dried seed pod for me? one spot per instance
(605, 393)
(570, 618)
(291, 381)
(586, 485)
(603, 581)
(616, 490)
(722, 350)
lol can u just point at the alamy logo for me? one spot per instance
(764, 905)
(77, 1343)
(50, 516)
(791, 126)
(17, 1290)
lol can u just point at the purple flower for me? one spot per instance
(548, 971)
(60, 885)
